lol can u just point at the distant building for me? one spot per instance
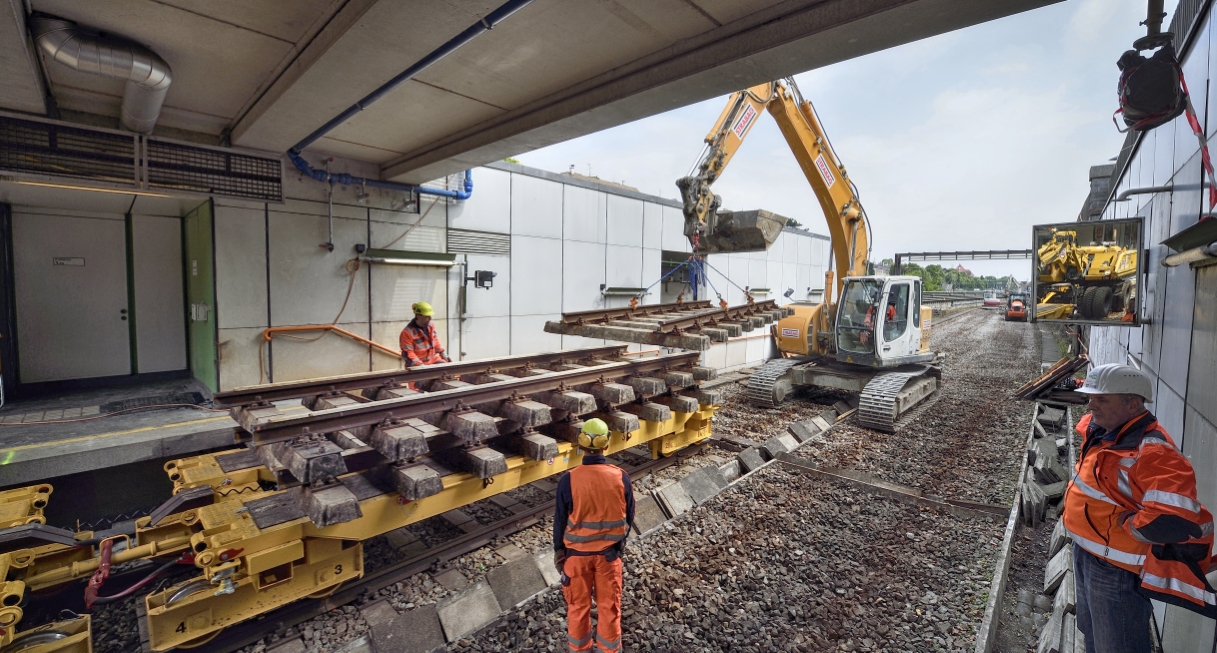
(1100, 188)
(961, 268)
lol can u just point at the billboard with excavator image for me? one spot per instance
(1088, 272)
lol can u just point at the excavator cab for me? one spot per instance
(881, 323)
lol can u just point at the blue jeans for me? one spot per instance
(1112, 615)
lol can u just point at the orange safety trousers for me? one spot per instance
(592, 575)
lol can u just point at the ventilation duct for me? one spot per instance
(147, 75)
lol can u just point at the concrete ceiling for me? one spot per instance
(266, 73)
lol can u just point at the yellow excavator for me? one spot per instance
(875, 340)
(1092, 280)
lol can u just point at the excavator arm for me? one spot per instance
(801, 128)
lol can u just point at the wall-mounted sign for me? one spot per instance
(77, 261)
(1088, 272)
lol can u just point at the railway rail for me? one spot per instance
(284, 518)
(685, 326)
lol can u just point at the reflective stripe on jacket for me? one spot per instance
(420, 345)
(1132, 502)
(598, 518)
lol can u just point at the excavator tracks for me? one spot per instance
(891, 400)
(767, 387)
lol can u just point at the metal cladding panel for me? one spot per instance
(623, 267)
(582, 275)
(395, 289)
(308, 283)
(652, 225)
(1187, 198)
(240, 251)
(487, 337)
(535, 287)
(737, 352)
(1184, 631)
(773, 277)
(1177, 327)
(536, 206)
(294, 360)
(1195, 67)
(673, 235)
(489, 207)
(1168, 408)
(579, 342)
(624, 221)
(496, 300)
(805, 249)
(790, 247)
(1202, 391)
(433, 214)
(419, 239)
(238, 351)
(1164, 152)
(389, 335)
(583, 215)
(651, 271)
(789, 276)
(758, 275)
(736, 270)
(757, 349)
(1134, 341)
(1201, 449)
(160, 322)
(715, 356)
(528, 334)
(802, 280)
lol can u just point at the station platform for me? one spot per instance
(73, 433)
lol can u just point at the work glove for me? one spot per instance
(560, 561)
(447, 360)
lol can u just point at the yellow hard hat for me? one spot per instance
(423, 308)
(594, 434)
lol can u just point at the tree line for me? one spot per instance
(936, 277)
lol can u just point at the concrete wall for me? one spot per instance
(552, 240)
(1177, 346)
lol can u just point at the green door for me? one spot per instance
(200, 295)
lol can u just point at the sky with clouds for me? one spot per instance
(957, 142)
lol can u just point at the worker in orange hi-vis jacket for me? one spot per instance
(1139, 531)
(419, 342)
(593, 511)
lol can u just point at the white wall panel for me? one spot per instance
(238, 352)
(651, 271)
(583, 215)
(307, 283)
(299, 359)
(528, 334)
(160, 309)
(395, 289)
(487, 337)
(536, 287)
(433, 214)
(758, 275)
(623, 267)
(674, 230)
(536, 206)
(803, 246)
(579, 342)
(773, 276)
(1177, 327)
(1168, 408)
(737, 352)
(802, 281)
(582, 275)
(489, 208)
(389, 335)
(240, 251)
(652, 225)
(494, 301)
(416, 239)
(757, 349)
(624, 221)
(715, 356)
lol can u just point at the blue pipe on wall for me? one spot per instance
(351, 180)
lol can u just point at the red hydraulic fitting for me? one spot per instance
(99, 577)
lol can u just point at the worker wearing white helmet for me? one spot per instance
(1138, 529)
(593, 511)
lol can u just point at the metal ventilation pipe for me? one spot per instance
(148, 76)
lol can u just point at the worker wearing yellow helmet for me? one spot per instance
(593, 512)
(419, 341)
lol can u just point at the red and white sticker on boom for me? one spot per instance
(745, 121)
(825, 172)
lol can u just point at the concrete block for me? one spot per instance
(679, 403)
(467, 612)
(447, 384)
(416, 630)
(1054, 490)
(1058, 566)
(471, 426)
(334, 504)
(679, 379)
(709, 397)
(511, 552)
(400, 538)
(625, 334)
(1066, 595)
(482, 462)
(515, 581)
(704, 373)
(416, 481)
(482, 379)
(398, 441)
(1069, 629)
(820, 422)
(803, 431)
(779, 444)
(294, 645)
(346, 440)
(544, 562)
(567, 367)
(829, 415)
(565, 431)
(326, 402)
(250, 416)
(674, 499)
(842, 407)
(650, 411)
(1050, 635)
(750, 459)
(1058, 539)
(1051, 416)
(730, 471)
(575, 403)
(703, 484)
(451, 579)
(533, 446)
(611, 394)
(646, 386)
(311, 459)
(621, 421)
(526, 413)
(394, 392)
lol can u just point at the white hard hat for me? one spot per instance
(1114, 378)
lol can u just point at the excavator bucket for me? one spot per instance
(741, 231)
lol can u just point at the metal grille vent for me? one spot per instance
(461, 241)
(44, 148)
(214, 172)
